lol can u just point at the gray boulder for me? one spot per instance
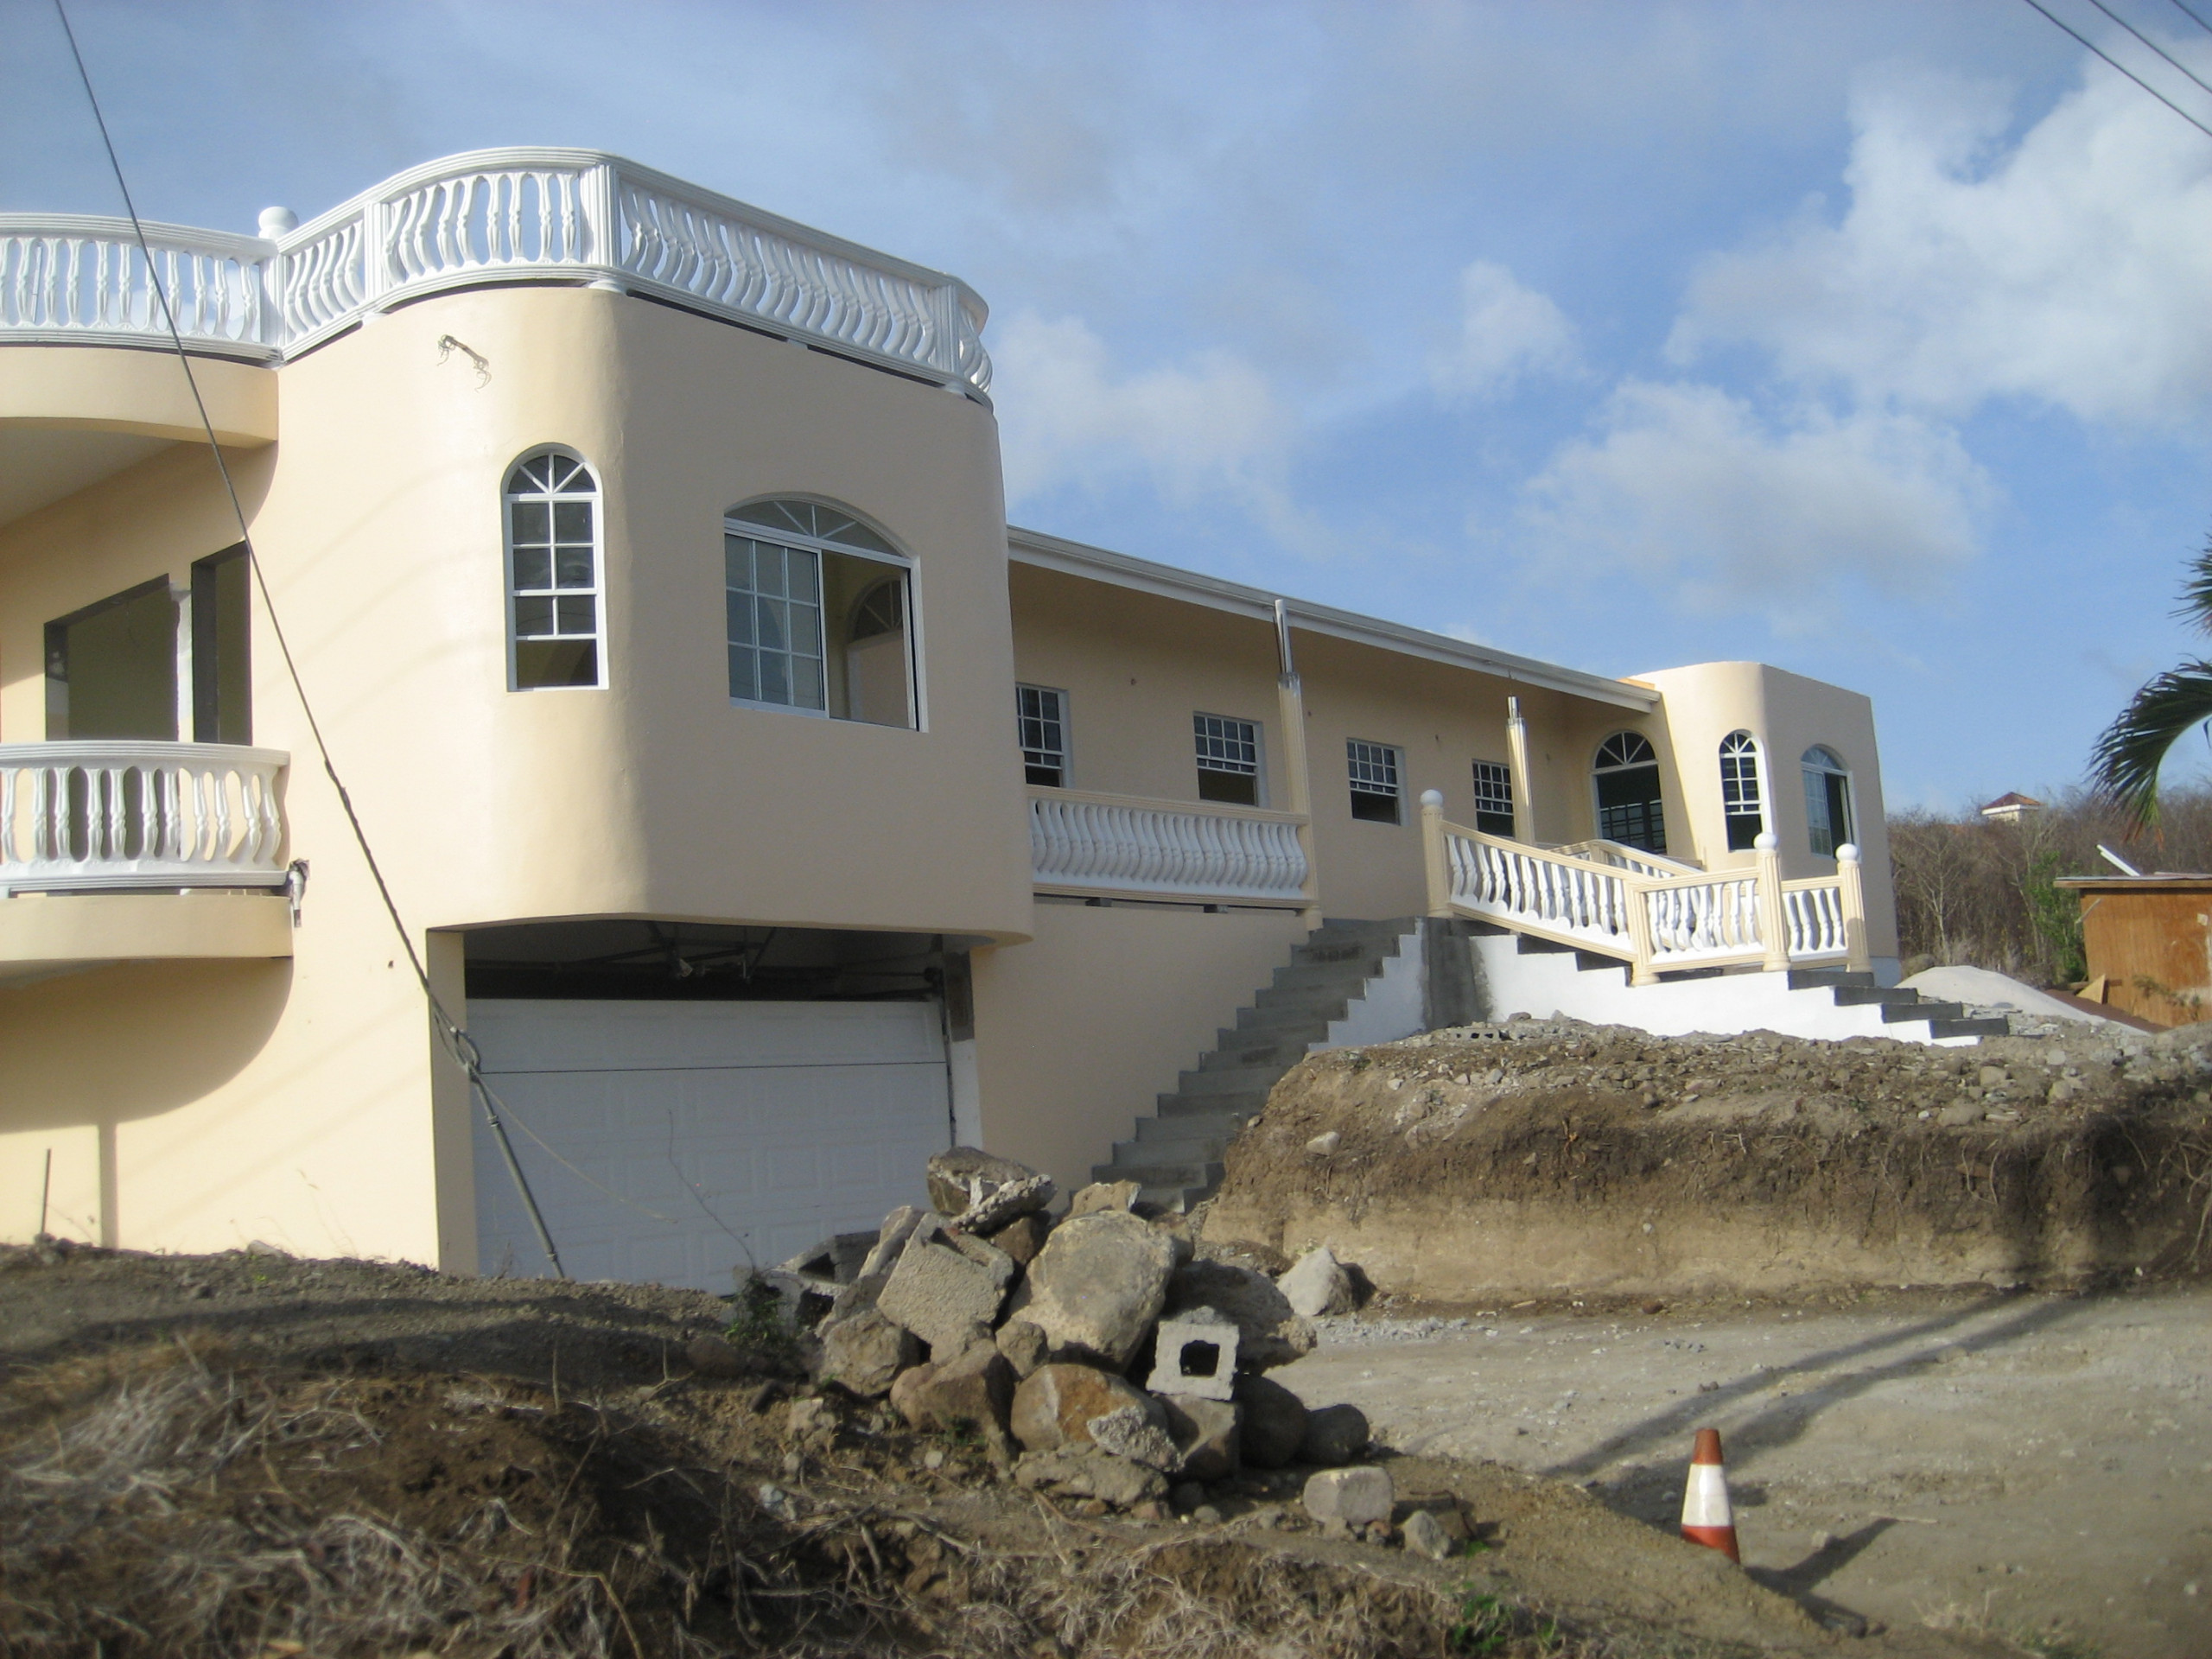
(1056, 1405)
(1207, 1434)
(1097, 1286)
(961, 1177)
(865, 1353)
(1425, 1535)
(1350, 1498)
(1317, 1285)
(946, 1289)
(897, 1227)
(1334, 1435)
(1274, 1422)
(1090, 1471)
(1130, 1432)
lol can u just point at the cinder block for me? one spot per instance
(1195, 1356)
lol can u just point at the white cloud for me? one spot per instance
(1507, 332)
(1693, 488)
(1067, 416)
(2070, 268)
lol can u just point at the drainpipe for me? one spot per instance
(1524, 799)
(1297, 771)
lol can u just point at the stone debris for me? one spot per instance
(1350, 1498)
(1194, 1356)
(1323, 1144)
(1425, 1535)
(1033, 1338)
(1318, 1284)
(1096, 1287)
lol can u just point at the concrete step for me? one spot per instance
(1996, 1026)
(1319, 948)
(1281, 1022)
(1395, 927)
(1860, 996)
(1241, 1080)
(1237, 1049)
(1248, 1103)
(1343, 977)
(1191, 1125)
(1207, 1173)
(1314, 1000)
(1808, 979)
(1199, 1151)
(1898, 1013)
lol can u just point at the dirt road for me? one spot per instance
(2039, 1467)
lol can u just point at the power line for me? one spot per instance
(456, 1040)
(2153, 45)
(2091, 45)
(2193, 17)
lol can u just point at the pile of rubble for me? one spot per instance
(1104, 1355)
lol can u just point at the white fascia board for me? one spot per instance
(1096, 565)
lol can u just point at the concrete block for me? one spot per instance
(946, 1289)
(1195, 1356)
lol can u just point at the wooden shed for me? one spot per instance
(2148, 939)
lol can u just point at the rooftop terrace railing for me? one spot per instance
(489, 216)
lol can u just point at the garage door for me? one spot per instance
(707, 1133)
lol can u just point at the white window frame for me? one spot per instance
(597, 592)
(1501, 773)
(1757, 751)
(1832, 765)
(1258, 774)
(1060, 718)
(1392, 758)
(752, 530)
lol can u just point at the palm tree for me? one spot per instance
(2123, 767)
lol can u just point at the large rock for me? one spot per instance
(838, 1258)
(1274, 1422)
(1022, 1343)
(1056, 1405)
(1334, 1435)
(1115, 1196)
(1425, 1535)
(865, 1353)
(1004, 1205)
(1096, 1287)
(897, 1227)
(975, 1390)
(946, 1289)
(1270, 1332)
(1092, 1471)
(1022, 1237)
(1207, 1435)
(1317, 1285)
(963, 1176)
(1131, 1432)
(1194, 1355)
(1350, 1498)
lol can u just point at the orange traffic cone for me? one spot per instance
(1706, 1518)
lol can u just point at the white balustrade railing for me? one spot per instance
(1598, 850)
(1650, 914)
(573, 215)
(1568, 900)
(1114, 844)
(81, 816)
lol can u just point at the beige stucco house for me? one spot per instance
(766, 811)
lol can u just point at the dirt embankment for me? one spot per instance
(1541, 1158)
(248, 1455)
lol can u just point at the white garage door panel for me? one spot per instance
(721, 1133)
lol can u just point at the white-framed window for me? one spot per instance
(556, 617)
(1373, 769)
(818, 614)
(1742, 807)
(1228, 752)
(1626, 778)
(1494, 798)
(1829, 817)
(1041, 717)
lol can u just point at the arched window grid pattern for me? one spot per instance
(819, 614)
(557, 610)
(1830, 813)
(1743, 804)
(1625, 780)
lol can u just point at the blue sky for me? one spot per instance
(1869, 339)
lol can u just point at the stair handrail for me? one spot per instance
(1651, 922)
(1599, 850)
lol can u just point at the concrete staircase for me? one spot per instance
(1899, 1006)
(1175, 1156)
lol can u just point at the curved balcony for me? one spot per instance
(103, 816)
(488, 216)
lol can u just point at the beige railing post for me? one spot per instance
(1638, 898)
(1774, 914)
(1297, 764)
(1434, 860)
(1858, 959)
(1516, 755)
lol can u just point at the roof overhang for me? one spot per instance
(1044, 552)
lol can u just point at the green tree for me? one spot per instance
(2124, 765)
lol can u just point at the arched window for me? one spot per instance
(555, 635)
(1628, 807)
(819, 614)
(1741, 804)
(1828, 816)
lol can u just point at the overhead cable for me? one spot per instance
(2153, 45)
(2089, 45)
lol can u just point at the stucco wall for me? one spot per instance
(1079, 1029)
